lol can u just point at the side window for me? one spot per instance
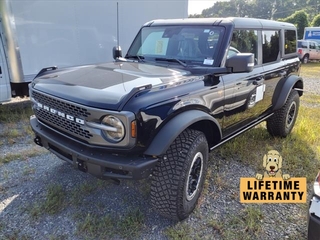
(290, 41)
(304, 45)
(270, 46)
(312, 45)
(244, 41)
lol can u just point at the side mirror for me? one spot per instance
(116, 52)
(240, 62)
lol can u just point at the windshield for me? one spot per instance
(184, 44)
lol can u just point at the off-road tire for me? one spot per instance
(281, 123)
(172, 195)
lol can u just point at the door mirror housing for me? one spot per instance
(116, 52)
(240, 62)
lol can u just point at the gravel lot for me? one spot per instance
(24, 185)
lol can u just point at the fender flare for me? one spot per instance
(171, 130)
(283, 89)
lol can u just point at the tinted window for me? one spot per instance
(270, 47)
(290, 41)
(245, 41)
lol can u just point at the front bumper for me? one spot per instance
(314, 219)
(91, 159)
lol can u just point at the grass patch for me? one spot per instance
(55, 199)
(131, 224)
(245, 225)
(22, 155)
(14, 112)
(310, 70)
(96, 227)
(180, 231)
(13, 132)
(54, 202)
(128, 226)
(300, 150)
(311, 99)
(27, 170)
(82, 190)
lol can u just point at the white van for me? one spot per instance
(38, 34)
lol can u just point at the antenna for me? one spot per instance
(116, 51)
(118, 40)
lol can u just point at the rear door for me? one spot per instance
(317, 57)
(313, 51)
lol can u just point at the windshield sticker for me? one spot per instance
(206, 30)
(159, 47)
(208, 62)
(211, 33)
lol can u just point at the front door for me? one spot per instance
(248, 88)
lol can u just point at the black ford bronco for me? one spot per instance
(183, 88)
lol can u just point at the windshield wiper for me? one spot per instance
(172, 60)
(140, 58)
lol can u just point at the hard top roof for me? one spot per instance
(236, 21)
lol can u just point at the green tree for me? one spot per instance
(316, 21)
(300, 20)
(291, 10)
(313, 8)
(221, 9)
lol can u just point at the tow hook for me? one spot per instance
(82, 166)
(37, 141)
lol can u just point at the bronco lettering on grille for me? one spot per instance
(59, 113)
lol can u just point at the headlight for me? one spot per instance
(115, 129)
(316, 185)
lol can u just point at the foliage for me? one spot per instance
(294, 10)
(316, 21)
(313, 8)
(300, 19)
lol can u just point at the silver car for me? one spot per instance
(308, 50)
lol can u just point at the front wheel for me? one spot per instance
(282, 121)
(305, 59)
(178, 178)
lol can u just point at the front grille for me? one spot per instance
(54, 120)
(60, 105)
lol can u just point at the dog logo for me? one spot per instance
(272, 162)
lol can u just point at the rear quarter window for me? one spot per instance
(290, 41)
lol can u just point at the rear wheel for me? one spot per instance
(179, 175)
(283, 120)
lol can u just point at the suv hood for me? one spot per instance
(105, 85)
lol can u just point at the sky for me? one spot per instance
(196, 6)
